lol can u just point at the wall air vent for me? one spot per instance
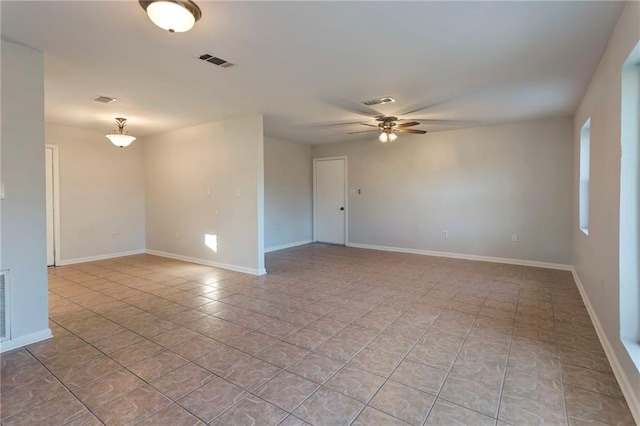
(379, 101)
(215, 60)
(104, 99)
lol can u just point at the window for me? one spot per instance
(630, 206)
(585, 154)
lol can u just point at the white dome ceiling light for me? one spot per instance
(119, 137)
(175, 16)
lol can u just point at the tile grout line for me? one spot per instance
(506, 365)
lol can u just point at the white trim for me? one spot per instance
(346, 195)
(286, 246)
(506, 260)
(56, 203)
(101, 257)
(633, 399)
(25, 340)
(230, 267)
(7, 308)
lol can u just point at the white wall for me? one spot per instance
(208, 179)
(23, 209)
(481, 185)
(596, 256)
(101, 191)
(288, 193)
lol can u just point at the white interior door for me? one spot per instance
(50, 209)
(330, 200)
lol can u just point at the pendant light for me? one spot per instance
(119, 137)
(175, 16)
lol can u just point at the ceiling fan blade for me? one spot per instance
(353, 107)
(449, 122)
(373, 125)
(409, 124)
(417, 132)
(363, 131)
(336, 124)
(411, 109)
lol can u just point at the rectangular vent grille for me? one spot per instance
(4, 307)
(104, 99)
(379, 101)
(215, 60)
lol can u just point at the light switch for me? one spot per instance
(352, 192)
(1, 191)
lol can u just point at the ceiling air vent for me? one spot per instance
(215, 60)
(104, 99)
(379, 101)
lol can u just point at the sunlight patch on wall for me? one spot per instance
(211, 241)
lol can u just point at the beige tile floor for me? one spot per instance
(330, 336)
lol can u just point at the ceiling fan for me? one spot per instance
(388, 127)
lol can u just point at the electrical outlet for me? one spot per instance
(113, 234)
(445, 234)
(352, 192)
(514, 238)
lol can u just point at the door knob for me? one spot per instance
(341, 208)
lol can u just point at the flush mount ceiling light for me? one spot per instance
(175, 16)
(120, 137)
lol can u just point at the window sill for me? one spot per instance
(633, 349)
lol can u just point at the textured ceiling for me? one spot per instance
(307, 64)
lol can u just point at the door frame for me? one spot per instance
(346, 196)
(56, 202)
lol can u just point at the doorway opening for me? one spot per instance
(52, 184)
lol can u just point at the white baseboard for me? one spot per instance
(286, 246)
(25, 340)
(230, 267)
(100, 257)
(465, 256)
(630, 394)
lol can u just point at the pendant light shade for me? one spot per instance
(119, 137)
(175, 16)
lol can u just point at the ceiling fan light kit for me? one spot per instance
(119, 137)
(388, 128)
(387, 136)
(175, 16)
